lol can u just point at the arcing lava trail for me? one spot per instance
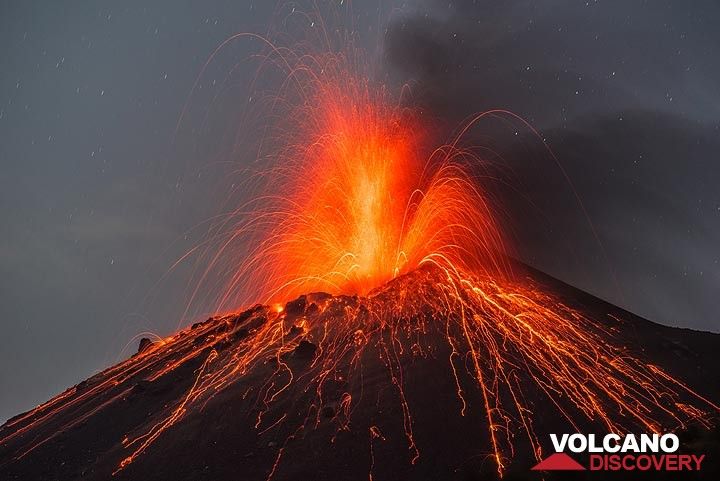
(352, 198)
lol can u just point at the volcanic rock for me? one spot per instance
(305, 350)
(380, 404)
(144, 345)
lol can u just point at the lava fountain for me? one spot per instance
(354, 199)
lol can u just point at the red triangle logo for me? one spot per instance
(558, 462)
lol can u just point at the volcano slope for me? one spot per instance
(427, 377)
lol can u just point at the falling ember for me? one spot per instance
(408, 247)
(354, 200)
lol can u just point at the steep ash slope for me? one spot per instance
(432, 376)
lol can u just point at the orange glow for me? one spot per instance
(351, 193)
(355, 202)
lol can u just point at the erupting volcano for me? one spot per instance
(353, 199)
(395, 336)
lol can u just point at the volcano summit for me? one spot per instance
(430, 376)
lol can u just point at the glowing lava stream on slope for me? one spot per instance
(353, 203)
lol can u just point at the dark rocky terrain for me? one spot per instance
(83, 432)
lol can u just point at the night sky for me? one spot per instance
(99, 193)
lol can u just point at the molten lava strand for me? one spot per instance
(506, 342)
(349, 196)
(499, 327)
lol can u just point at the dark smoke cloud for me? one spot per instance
(626, 96)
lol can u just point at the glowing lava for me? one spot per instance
(354, 199)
